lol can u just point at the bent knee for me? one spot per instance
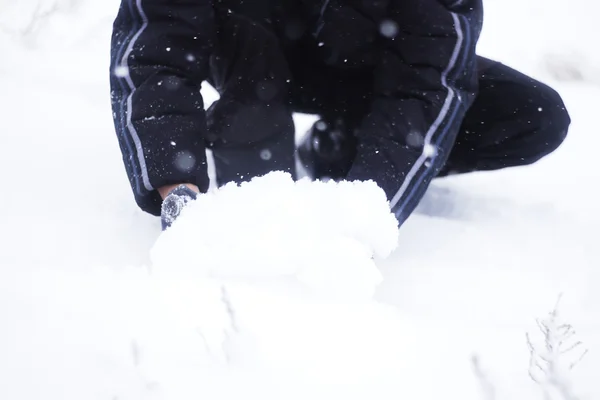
(553, 118)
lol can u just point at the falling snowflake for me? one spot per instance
(389, 29)
(121, 71)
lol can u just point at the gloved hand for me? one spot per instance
(173, 203)
(327, 150)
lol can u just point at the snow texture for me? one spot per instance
(323, 234)
(277, 290)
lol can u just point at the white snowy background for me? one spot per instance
(270, 290)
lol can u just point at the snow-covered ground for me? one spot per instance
(279, 297)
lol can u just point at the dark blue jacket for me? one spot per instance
(161, 50)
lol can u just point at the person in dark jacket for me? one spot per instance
(401, 94)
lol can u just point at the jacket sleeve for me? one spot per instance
(160, 53)
(424, 83)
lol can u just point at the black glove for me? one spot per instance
(173, 203)
(327, 150)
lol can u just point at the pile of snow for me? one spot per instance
(276, 277)
(324, 234)
(262, 290)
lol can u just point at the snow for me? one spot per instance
(279, 296)
(330, 247)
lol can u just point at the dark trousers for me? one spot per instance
(514, 119)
